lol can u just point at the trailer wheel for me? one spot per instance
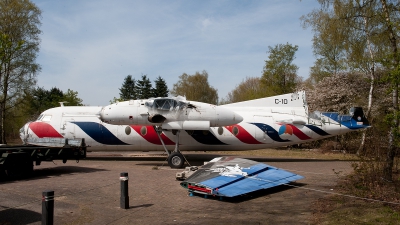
(18, 165)
(19, 171)
(176, 160)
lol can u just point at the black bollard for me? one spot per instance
(124, 201)
(48, 208)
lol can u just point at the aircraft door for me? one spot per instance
(263, 128)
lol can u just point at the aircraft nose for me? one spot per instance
(227, 117)
(23, 132)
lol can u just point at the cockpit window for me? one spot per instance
(167, 104)
(40, 117)
(182, 105)
(46, 118)
(164, 104)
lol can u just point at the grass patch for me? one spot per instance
(365, 182)
(343, 210)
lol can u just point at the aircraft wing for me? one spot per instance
(230, 177)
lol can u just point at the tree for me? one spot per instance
(280, 74)
(141, 89)
(41, 99)
(328, 45)
(345, 37)
(196, 87)
(128, 90)
(367, 38)
(161, 89)
(71, 98)
(248, 89)
(19, 45)
(144, 88)
(389, 11)
(337, 93)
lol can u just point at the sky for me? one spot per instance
(90, 46)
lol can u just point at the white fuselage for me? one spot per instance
(268, 122)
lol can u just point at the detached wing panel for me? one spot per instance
(231, 177)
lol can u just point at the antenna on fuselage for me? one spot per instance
(62, 103)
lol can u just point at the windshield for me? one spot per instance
(164, 104)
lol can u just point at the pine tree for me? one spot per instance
(144, 88)
(128, 90)
(161, 89)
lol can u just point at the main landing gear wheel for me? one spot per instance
(176, 160)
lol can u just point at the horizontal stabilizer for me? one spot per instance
(230, 177)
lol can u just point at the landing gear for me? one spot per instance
(175, 158)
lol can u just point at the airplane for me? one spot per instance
(174, 124)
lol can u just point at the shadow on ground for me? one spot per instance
(43, 173)
(19, 216)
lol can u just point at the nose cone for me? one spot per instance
(227, 117)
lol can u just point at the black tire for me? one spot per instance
(19, 171)
(18, 165)
(176, 160)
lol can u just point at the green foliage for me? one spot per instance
(319, 71)
(161, 89)
(248, 89)
(196, 87)
(141, 89)
(362, 37)
(71, 98)
(41, 99)
(280, 74)
(19, 45)
(328, 44)
(115, 100)
(128, 90)
(144, 88)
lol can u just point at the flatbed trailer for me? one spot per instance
(17, 160)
